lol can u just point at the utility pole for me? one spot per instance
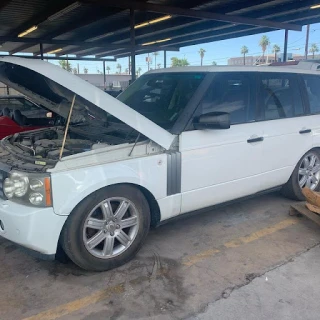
(104, 75)
(67, 64)
(78, 68)
(133, 43)
(307, 42)
(41, 50)
(129, 58)
(148, 62)
(285, 51)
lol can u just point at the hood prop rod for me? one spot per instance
(67, 127)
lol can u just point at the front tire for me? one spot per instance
(305, 174)
(107, 229)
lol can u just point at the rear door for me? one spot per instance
(312, 86)
(222, 165)
(286, 127)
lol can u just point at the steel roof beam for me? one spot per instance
(98, 44)
(235, 32)
(51, 9)
(144, 6)
(62, 58)
(202, 26)
(83, 21)
(180, 22)
(197, 27)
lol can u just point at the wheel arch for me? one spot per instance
(155, 214)
(317, 148)
(153, 204)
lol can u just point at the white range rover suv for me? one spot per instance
(175, 141)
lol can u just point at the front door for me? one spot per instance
(222, 165)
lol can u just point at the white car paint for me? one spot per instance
(35, 228)
(282, 147)
(69, 186)
(223, 159)
(217, 165)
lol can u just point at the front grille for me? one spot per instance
(3, 176)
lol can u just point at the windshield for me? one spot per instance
(161, 97)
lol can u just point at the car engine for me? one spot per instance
(47, 144)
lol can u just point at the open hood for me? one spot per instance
(53, 87)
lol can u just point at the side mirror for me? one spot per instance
(212, 120)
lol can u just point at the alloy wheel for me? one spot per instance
(309, 171)
(110, 228)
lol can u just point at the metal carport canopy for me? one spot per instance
(119, 28)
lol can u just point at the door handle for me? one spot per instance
(252, 140)
(303, 131)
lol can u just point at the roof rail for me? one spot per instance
(308, 65)
(302, 64)
(287, 63)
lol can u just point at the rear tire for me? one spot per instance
(305, 174)
(107, 229)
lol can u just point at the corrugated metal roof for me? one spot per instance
(89, 19)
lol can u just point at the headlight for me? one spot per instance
(36, 184)
(36, 198)
(28, 188)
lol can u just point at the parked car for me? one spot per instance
(18, 114)
(175, 141)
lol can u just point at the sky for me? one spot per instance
(219, 51)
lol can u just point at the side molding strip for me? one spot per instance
(173, 173)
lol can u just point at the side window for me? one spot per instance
(229, 92)
(313, 91)
(280, 96)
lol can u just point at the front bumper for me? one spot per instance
(37, 229)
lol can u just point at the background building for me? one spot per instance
(113, 81)
(253, 60)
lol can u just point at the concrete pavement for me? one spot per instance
(290, 291)
(184, 267)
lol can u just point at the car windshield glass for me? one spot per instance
(161, 97)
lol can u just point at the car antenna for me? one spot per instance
(67, 127)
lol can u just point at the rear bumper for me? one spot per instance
(37, 229)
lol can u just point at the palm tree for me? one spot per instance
(108, 69)
(214, 63)
(85, 70)
(275, 50)
(264, 42)
(127, 70)
(119, 67)
(139, 71)
(155, 59)
(159, 65)
(314, 48)
(201, 52)
(244, 51)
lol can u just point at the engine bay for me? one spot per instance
(47, 143)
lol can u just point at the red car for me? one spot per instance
(18, 113)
